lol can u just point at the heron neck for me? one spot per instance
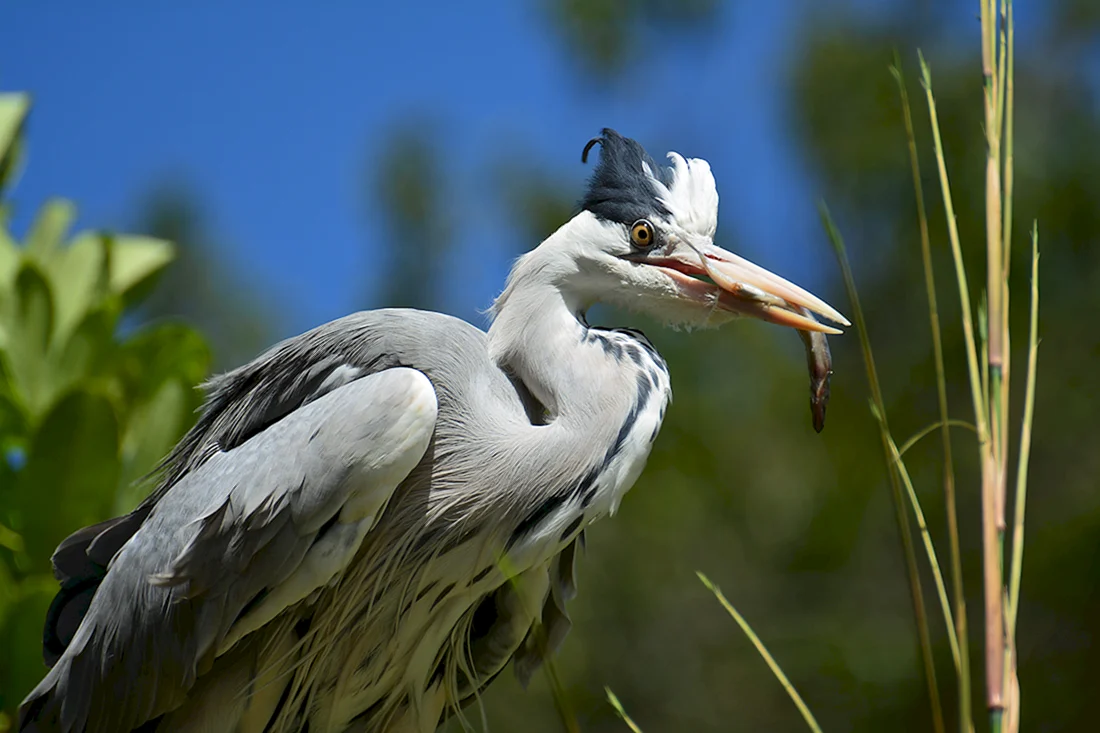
(539, 337)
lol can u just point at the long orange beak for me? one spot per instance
(749, 289)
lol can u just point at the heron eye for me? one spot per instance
(641, 233)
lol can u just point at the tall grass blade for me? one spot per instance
(950, 503)
(611, 698)
(1025, 444)
(772, 664)
(928, 429)
(956, 253)
(561, 700)
(915, 591)
(929, 547)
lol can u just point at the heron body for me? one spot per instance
(372, 519)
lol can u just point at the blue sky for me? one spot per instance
(270, 113)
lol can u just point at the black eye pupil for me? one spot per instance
(642, 234)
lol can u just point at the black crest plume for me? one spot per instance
(620, 190)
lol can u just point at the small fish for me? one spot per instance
(820, 363)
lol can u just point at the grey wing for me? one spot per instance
(239, 405)
(250, 531)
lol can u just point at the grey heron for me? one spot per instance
(372, 519)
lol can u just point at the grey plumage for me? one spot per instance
(370, 520)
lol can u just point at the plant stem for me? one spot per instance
(929, 548)
(980, 417)
(925, 431)
(963, 674)
(611, 698)
(915, 591)
(991, 559)
(1013, 606)
(993, 456)
(763, 650)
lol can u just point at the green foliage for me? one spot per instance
(232, 308)
(411, 185)
(607, 35)
(85, 411)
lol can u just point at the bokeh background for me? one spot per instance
(311, 162)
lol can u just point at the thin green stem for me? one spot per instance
(561, 700)
(611, 698)
(994, 635)
(1009, 115)
(999, 31)
(929, 549)
(950, 502)
(983, 344)
(1025, 445)
(763, 651)
(915, 591)
(1001, 265)
(960, 268)
(929, 429)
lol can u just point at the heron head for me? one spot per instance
(644, 239)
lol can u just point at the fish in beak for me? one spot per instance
(747, 289)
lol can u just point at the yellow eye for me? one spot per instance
(641, 234)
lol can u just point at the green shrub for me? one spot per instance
(89, 399)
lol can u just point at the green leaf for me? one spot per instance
(27, 335)
(49, 229)
(9, 590)
(133, 260)
(13, 110)
(153, 428)
(21, 666)
(13, 422)
(80, 279)
(10, 256)
(13, 113)
(71, 473)
(86, 355)
(160, 353)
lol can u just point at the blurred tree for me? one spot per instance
(84, 411)
(606, 36)
(408, 182)
(848, 118)
(200, 287)
(535, 202)
(808, 547)
(1077, 21)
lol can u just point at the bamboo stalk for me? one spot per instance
(991, 559)
(993, 458)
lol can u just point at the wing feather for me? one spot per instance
(234, 542)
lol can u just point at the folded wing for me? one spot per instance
(250, 530)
